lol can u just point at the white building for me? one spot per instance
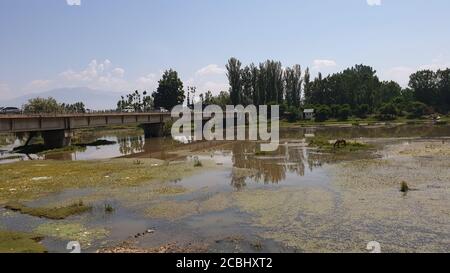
(308, 114)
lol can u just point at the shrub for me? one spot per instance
(362, 110)
(292, 114)
(344, 112)
(388, 112)
(417, 109)
(322, 113)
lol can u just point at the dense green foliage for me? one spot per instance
(50, 105)
(170, 91)
(356, 91)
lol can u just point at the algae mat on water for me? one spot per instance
(20, 242)
(56, 213)
(72, 232)
(34, 179)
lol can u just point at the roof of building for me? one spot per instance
(308, 111)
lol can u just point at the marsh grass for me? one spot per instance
(20, 242)
(404, 187)
(109, 208)
(18, 181)
(328, 145)
(56, 213)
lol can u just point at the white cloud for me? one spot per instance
(401, 74)
(73, 2)
(212, 69)
(97, 75)
(374, 2)
(319, 64)
(148, 82)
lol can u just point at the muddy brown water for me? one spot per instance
(292, 200)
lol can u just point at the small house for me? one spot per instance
(308, 114)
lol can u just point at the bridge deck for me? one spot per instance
(49, 122)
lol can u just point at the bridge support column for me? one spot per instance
(56, 139)
(153, 130)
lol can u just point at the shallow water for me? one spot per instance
(287, 201)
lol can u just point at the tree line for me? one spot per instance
(355, 91)
(50, 105)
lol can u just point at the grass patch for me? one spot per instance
(18, 180)
(109, 208)
(20, 242)
(57, 213)
(328, 145)
(72, 232)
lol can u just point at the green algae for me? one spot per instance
(72, 232)
(175, 210)
(328, 145)
(25, 180)
(56, 213)
(20, 242)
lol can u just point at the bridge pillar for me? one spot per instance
(57, 138)
(153, 130)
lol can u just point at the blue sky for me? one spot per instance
(120, 45)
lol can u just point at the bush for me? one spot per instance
(322, 113)
(292, 114)
(344, 112)
(417, 109)
(388, 112)
(335, 110)
(362, 110)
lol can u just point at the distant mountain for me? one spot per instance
(93, 99)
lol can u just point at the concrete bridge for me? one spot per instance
(57, 130)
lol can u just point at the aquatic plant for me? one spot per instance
(404, 187)
(56, 213)
(72, 232)
(109, 208)
(20, 242)
(197, 162)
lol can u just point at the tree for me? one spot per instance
(77, 107)
(170, 91)
(322, 113)
(417, 109)
(235, 80)
(307, 96)
(424, 85)
(388, 112)
(293, 83)
(140, 103)
(443, 89)
(292, 113)
(344, 112)
(42, 106)
(387, 92)
(362, 110)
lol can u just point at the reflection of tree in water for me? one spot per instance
(270, 168)
(131, 144)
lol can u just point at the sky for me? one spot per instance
(122, 45)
